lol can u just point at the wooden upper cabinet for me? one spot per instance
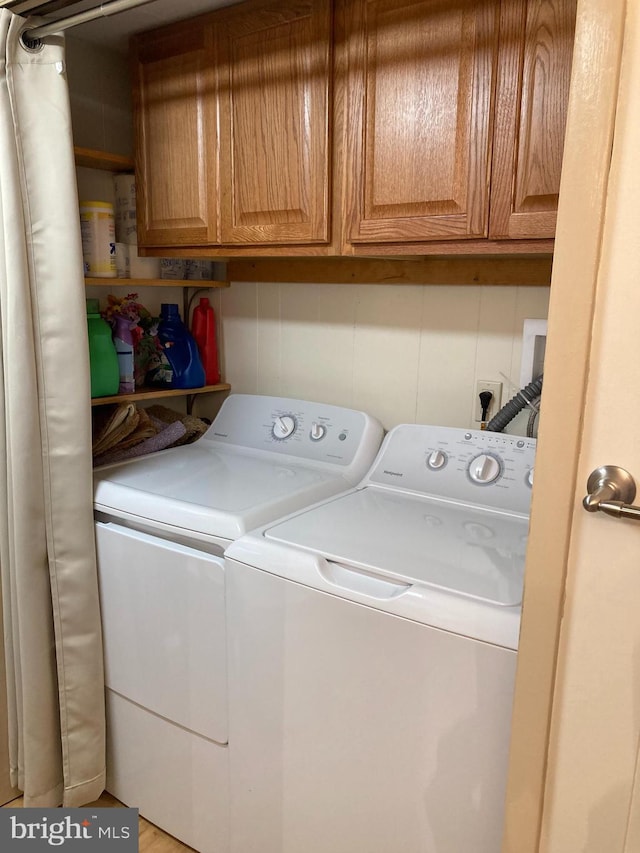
(418, 96)
(413, 123)
(174, 106)
(274, 65)
(534, 68)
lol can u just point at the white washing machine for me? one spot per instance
(162, 524)
(372, 654)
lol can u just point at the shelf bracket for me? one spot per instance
(187, 298)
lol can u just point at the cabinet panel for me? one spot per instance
(176, 138)
(444, 127)
(536, 47)
(418, 118)
(274, 63)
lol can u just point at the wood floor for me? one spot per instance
(152, 839)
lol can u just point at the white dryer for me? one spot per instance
(162, 524)
(372, 654)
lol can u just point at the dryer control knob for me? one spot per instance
(283, 427)
(484, 469)
(317, 432)
(436, 460)
(529, 478)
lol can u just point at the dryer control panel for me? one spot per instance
(319, 432)
(487, 469)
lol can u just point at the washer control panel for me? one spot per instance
(484, 468)
(310, 431)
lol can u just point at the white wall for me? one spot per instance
(100, 100)
(100, 96)
(403, 353)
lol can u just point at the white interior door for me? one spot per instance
(574, 782)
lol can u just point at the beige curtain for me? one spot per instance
(47, 552)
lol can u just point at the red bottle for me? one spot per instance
(203, 329)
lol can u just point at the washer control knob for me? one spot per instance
(283, 427)
(436, 460)
(317, 432)
(484, 469)
(529, 478)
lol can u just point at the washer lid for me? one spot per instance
(419, 540)
(220, 492)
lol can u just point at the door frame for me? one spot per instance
(585, 175)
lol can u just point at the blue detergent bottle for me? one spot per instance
(180, 349)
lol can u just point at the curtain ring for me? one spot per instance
(33, 45)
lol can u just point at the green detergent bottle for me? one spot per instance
(105, 375)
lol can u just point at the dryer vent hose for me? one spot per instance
(516, 404)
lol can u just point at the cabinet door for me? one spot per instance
(175, 110)
(536, 47)
(419, 77)
(274, 62)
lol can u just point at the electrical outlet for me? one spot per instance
(496, 400)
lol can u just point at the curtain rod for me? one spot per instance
(101, 11)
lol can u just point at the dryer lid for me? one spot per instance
(221, 492)
(419, 540)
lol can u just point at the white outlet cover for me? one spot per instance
(496, 402)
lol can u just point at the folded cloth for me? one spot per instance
(159, 441)
(144, 429)
(112, 424)
(195, 427)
